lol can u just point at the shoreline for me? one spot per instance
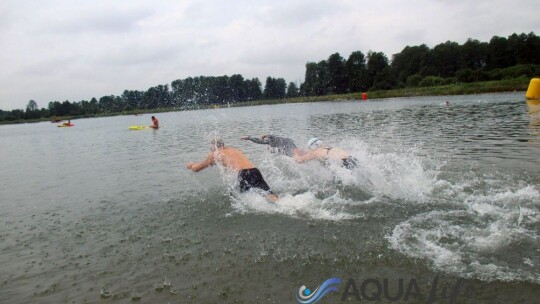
(501, 86)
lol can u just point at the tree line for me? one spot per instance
(449, 62)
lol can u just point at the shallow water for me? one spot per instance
(448, 191)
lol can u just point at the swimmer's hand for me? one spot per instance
(190, 165)
(244, 137)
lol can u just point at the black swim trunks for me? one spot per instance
(350, 162)
(252, 178)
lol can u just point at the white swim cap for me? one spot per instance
(314, 143)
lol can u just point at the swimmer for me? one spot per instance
(155, 123)
(276, 144)
(324, 153)
(233, 159)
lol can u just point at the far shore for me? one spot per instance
(505, 85)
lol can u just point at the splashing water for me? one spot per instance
(450, 190)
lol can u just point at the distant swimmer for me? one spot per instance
(324, 153)
(277, 144)
(155, 123)
(233, 159)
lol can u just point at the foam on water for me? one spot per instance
(304, 205)
(493, 237)
(477, 225)
(317, 191)
(489, 234)
(397, 174)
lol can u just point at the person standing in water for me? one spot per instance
(276, 144)
(324, 153)
(233, 159)
(155, 123)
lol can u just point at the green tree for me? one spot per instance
(385, 79)
(106, 104)
(254, 91)
(274, 88)
(410, 61)
(237, 87)
(316, 80)
(337, 75)
(524, 48)
(32, 110)
(308, 88)
(292, 90)
(220, 90)
(413, 80)
(474, 54)
(16, 115)
(499, 54)
(357, 72)
(322, 86)
(446, 58)
(132, 99)
(93, 106)
(32, 106)
(157, 97)
(55, 108)
(376, 62)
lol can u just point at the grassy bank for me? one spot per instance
(506, 85)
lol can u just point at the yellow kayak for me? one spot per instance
(138, 127)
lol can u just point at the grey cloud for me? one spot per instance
(106, 21)
(73, 50)
(292, 13)
(138, 54)
(6, 19)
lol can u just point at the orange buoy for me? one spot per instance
(532, 97)
(533, 92)
(364, 96)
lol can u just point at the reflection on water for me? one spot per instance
(98, 213)
(533, 107)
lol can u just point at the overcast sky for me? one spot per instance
(76, 50)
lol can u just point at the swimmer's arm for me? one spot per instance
(256, 140)
(196, 167)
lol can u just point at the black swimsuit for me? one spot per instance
(252, 178)
(348, 163)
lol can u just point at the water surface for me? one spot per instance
(449, 191)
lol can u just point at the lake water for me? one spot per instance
(449, 192)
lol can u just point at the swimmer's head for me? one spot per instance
(216, 143)
(314, 143)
